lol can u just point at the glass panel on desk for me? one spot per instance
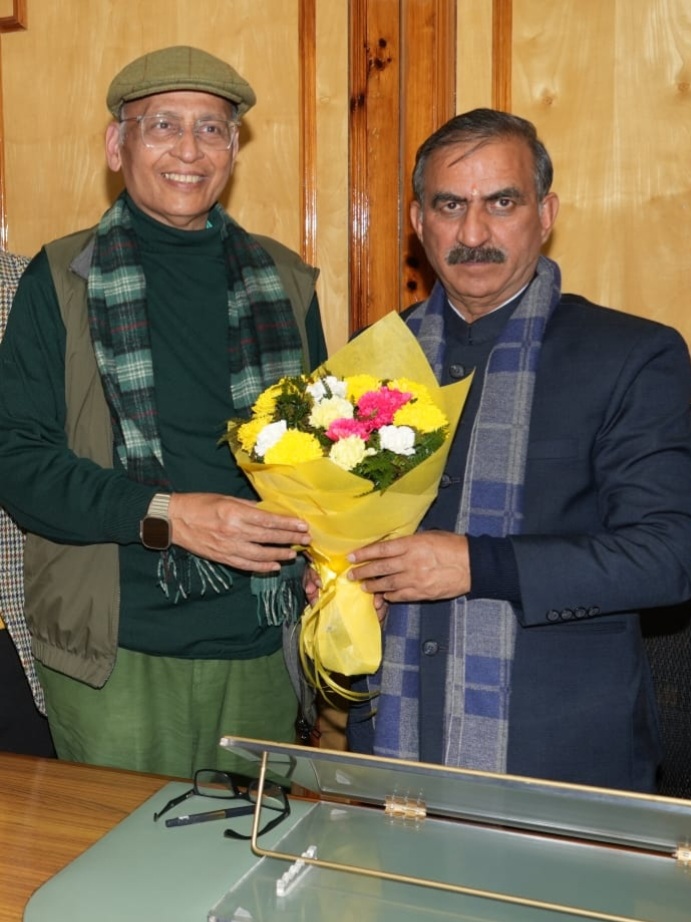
(519, 866)
(591, 814)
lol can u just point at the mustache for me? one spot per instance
(462, 254)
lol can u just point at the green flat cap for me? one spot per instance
(179, 68)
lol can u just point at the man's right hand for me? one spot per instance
(235, 532)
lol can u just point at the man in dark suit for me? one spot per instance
(512, 640)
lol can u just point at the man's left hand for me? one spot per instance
(426, 566)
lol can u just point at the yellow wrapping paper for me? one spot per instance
(341, 633)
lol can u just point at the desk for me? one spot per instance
(52, 811)
(623, 869)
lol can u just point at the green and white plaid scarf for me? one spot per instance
(263, 345)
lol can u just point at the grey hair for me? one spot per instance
(483, 125)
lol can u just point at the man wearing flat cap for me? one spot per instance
(156, 589)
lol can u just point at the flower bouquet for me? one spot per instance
(356, 449)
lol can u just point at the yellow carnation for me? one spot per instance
(418, 391)
(425, 417)
(248, 432)
(294, 448)
(361, 384)
(265, 403)
(348, 452)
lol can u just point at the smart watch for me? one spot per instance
(154, 529)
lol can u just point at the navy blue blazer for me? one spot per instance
(607, 532)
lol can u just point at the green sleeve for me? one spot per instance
(43, 484)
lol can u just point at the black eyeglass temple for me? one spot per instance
(284, 814)
(173, 803)
(236, 780)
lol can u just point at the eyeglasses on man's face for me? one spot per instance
(230, 791)
(159, 132)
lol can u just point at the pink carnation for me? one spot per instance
(379, 407)
(342, 428)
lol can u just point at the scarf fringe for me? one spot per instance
(182, 572)
(280, 597)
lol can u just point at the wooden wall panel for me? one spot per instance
(402, 81)
(474, 64)
(13, 15)
(428, 80)
(609, 86)
(307, 113)
(606, 83)
(502, 37)
(332, 167)
(293, 52)
(374, 159)
(59, 132)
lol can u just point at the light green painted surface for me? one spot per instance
(143, 870)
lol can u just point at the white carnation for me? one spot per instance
(327, 411)
(398, 439)
(269, 436)
(318, 390)
(348, 452)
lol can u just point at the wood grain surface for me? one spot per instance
(52, 811)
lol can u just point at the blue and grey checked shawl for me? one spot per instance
(482, 631)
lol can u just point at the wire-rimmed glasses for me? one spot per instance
(226, 787)
(164, 131)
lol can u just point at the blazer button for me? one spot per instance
(566, 614)
(593, 610)
(553, 615)
(580, 612)
(457, 371)
(430, 648)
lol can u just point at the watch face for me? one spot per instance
(155, 533)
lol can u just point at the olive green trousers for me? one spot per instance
(166, 715)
